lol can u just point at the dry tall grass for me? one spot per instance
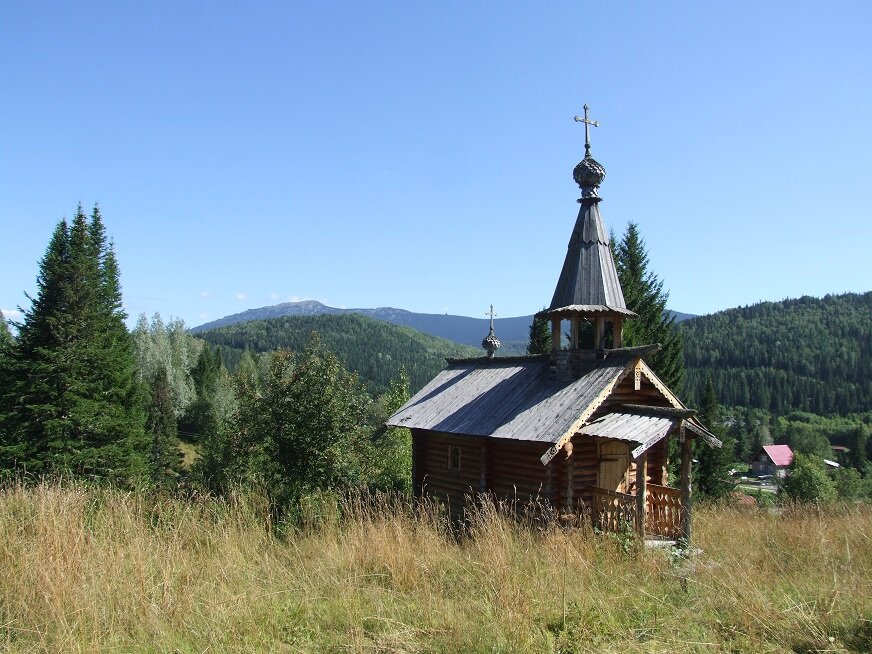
(89, 570)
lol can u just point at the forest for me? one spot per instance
(297, 403)
(374, 349)
(807, 354)
(81, 397)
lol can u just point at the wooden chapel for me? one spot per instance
(584, 428)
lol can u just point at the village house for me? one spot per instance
(772, 460)
(584, 428)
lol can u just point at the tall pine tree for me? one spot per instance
(74, 405)
(540, 336)
(6, 345)
(644, 294)
(712, 470)
(165, 457)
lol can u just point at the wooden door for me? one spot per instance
(614, 460)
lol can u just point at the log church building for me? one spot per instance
(584, 428)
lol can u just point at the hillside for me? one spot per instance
(372, 348)
(808, 354)
(460, 329)
(512, 332)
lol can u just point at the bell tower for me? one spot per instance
(588, 294)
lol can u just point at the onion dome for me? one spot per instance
(589, 174)
(491, 343)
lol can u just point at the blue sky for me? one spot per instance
(419, 155)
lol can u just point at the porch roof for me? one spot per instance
(646, 430)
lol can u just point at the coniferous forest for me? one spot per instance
(372, 348)
(807, 354)
(83, 396)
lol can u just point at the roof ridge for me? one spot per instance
(640, 351)
(516, 358)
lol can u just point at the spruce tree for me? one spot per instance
(713, 464)
(644, 294)
(165, 457)
(200, 420)
(540, 336)
(6, 340)
(34, 428)
(72, 396)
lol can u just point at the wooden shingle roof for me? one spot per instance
(588, 279)
(516, 398)
(647, 430)
(510, 398)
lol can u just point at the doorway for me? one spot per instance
(614, 461)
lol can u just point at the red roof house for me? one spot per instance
(772, 460)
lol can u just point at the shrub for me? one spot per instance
(807, 480)
(848, 484)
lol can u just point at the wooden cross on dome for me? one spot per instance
(587, 123)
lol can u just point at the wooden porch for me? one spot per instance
(650, 509)
(663, 516)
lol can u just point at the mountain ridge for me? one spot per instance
(375, 349)
(513, 332)
(803, 354)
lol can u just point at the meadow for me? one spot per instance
(87, 569)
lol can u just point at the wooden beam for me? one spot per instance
(555, 334)
(549, 491)
(641, 493)
(569, 465)
(597, 332)
(617, 332)
(482, 482)
(659, 411)
(575, 426)
(573, 333)
(685, 484)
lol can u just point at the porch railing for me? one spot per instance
(664, 511)
(613, 511)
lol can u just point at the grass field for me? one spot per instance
(91, 570)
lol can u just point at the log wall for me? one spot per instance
(512, 470)
(517, 474)
(432, 474)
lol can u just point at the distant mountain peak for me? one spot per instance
(513, 332)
